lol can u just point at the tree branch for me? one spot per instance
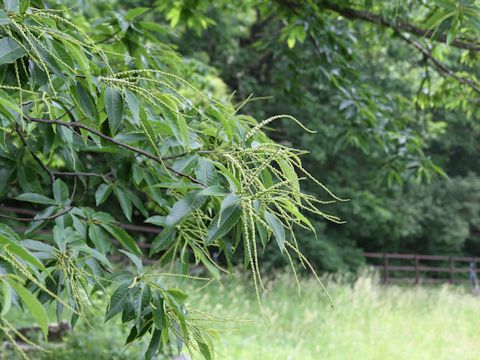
(398, 26)
(439, 65)
(73, 124)
(51, 217)
(35, 157)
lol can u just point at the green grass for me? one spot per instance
(369, 321)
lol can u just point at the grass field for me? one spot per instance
(369, 321)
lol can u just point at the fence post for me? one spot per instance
(417, 271)
(385, 268)
(452, 280)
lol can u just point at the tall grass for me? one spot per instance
(369, 321)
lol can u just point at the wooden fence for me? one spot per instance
(424, 268)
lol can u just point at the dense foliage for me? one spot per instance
(141, 111)
(390, 86)
(86, 120)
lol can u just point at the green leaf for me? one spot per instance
(80, 58)
(7, 298)
(132, 104)
(102, 193)
(225, 220)
(156, 220)
(124, 239)
(11, 6)
(125, 202)
(178, 295)
(135, 259)
(99, 238)
(10, 51)
(114, 107)
(154, 344)
(35, 307)
(205, 172)
(4, 19)
(87, 104)
(163, 240)
(133, 13)
(15, 247)
(117, 301)
(8, 102)
(24, 5)
(183, 207)
(36, 198)
(60, 192)
(212, 269)
(291, 175)
(277, 228)
(204, 349)
(214, 190)
(158, 312)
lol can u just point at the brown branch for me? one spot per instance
(35, 157)
(51, 217)
(72, 125)
(397, 26)
(442, 68)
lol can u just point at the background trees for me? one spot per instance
(138, 111)
(391, 88)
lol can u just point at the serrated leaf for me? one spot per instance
(154, 344)
(133, 13)
(37, 310)
(86, 101)
(35, 198)
(125, 202)
(114, 107)
(102, 193)
(277, 228)
(124, 238)
(7, 298)
(99, 238)
(4, 19)
(132, 104)
(225, 220)
(158, 312)
(60, 192)
(16, 248)
(163, 240)
(117, 301)
(10, 51)
(135, 259)
(11, 6)
(205, 172)
(183, 207)
(80, 58)
(289, 172)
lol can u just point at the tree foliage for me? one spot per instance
(92, 124)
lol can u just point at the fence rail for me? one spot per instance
(391, 264)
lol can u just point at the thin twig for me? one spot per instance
(353, 14)
(439, 65)
(72, 125)
(35, 157)
(51, 217)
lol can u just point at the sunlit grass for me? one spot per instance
(369, 321)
